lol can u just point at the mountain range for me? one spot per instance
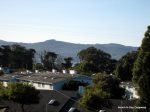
(67, 49)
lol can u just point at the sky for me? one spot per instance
(77, 21)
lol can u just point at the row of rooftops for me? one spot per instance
(41, 77)
(44, 77)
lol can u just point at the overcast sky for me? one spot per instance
(76, 21)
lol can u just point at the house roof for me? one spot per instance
(61, 98)
(42, 78)
(8, 77)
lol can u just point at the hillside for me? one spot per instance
(71, 49)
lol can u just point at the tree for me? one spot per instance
(38, 66)
(5, 52)
(125, 65)
(16, 56)
(67, 63)
(93, 60)
(21, 93)
(109, 84)
(141, 71)
(48, 59)
(104, 87)
(21, 57)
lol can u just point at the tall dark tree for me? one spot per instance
(5, 52)
(48, 59)
(141, 71)
(30, 56)
(16, 56)
(21, 57)
(125, 65)
(67, 63)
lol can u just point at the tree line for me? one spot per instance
(16, 56)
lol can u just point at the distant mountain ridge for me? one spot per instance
(66, 49)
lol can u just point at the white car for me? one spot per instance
(72, 109)
(51, 102)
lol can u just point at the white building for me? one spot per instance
(44, 82)
(130, 92)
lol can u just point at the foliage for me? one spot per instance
(141, 71)
(108, 84)
(21, 93)
(104, 87)
(94, 60)
(1, 85)
(16, 56)
(84, 68)
(73, 85)
(125, 65)
(58, 63)
(67, 63)
(38, 66)
(48, 59)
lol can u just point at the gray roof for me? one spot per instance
(43, 78)
(61, 98)
(8, 77)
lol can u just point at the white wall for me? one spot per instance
(42, 86)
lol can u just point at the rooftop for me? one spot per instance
(42, 78)
(61, 97)
(8, 77)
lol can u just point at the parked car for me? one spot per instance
(72, 109)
